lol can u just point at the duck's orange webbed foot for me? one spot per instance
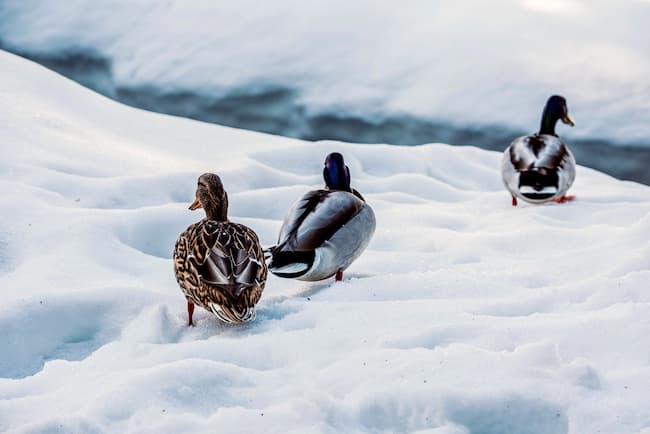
(563, 199)
(339, 276)
(514, 201)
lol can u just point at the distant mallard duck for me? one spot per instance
(219, 265)
(325, 230)
(540, 167)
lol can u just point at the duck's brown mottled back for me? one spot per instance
(219, 265)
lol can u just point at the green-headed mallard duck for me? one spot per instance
(219, 265)
(540, 167)
(325, 230)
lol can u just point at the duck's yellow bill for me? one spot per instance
(196, 204)
(567, 120)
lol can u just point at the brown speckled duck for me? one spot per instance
(219, 265)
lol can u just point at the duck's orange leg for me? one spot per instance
(563, 199)
(339, 276)
(514, 201)
(190, 312)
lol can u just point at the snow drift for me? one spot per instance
(464, 315)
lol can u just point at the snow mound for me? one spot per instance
(465, 315)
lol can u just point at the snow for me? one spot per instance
(465, 315)
(371, 59)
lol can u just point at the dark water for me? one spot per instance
(276, 110)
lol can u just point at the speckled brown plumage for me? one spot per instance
(219, 265)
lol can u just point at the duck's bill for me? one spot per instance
(196, 204)
(567, 120)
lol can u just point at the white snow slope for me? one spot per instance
(465, 315)
(466, 62)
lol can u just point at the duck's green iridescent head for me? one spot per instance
(336, 173)
(555, 109)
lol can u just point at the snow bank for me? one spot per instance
(461, 63)
(464, 316)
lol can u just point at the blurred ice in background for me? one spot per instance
(465, 72)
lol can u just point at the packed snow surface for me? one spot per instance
(469, 62)
(465, 315)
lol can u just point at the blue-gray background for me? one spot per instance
(465, 72)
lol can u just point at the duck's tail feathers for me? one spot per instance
(291, 264)
(233, 315)
(268, 252)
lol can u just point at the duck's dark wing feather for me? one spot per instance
(538, 151)
(228, 255)
(315, 218)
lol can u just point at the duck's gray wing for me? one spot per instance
(315, 217)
